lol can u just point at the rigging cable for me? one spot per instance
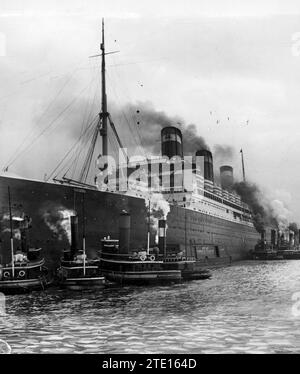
(31, 132)
(77, 156)
(86, 131)
(137, 130)
(126, 118)
(45, 129)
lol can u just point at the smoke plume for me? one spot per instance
(58, 221)
(150, 122)
(223, 154)
(159, 207)
(265, 210)
(294, 227)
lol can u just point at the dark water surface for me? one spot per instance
(245, 308)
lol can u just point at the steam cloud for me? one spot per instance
(159, 209)
(58, 221)
(17, 217)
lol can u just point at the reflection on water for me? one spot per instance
(245, 308)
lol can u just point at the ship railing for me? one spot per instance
(26, 265)
(80, 267)
(129, 257)
(80, 261)
(178, 259)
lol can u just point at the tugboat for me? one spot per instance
(265, 251)
(288, 247)
(78, 272)
(174, 258)
(26, 270)
(119, 263)
(281, 247)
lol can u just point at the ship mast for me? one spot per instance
(243, 166)
(83, 236)
(101, 128)
(11, 235)
(104, 114)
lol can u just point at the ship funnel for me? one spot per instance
(24, 226)
(171, 142)
(278, 238)
(124, 233)
(24, 246)
(208, 164)
(297, 237)
(162, 237)
(263, 235)
(74, 235)
(226, 174)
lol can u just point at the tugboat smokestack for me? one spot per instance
(23, 240)
(273, 237)
(162, 242)
(124, 233)
(74, 235)
(263, 235)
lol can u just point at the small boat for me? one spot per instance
(189, 267)
(288, 250)
(77, 271)
(26, 271)
(282, 248)
(174, 259)
(119, 263)
(263, 252)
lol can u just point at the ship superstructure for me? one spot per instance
(167, 175)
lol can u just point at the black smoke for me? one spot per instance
(150, 122)
(252, 195)
(294, 227)
(223, 153)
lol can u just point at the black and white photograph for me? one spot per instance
(149, 182)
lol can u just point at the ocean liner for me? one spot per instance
(208, 221)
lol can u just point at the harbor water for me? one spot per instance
(249, 307)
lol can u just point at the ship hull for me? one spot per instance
(80, 284)
(22, 286)
(143, 277)
(47, 204)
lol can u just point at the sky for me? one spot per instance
(232, 68)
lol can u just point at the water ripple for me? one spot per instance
(245, 308)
